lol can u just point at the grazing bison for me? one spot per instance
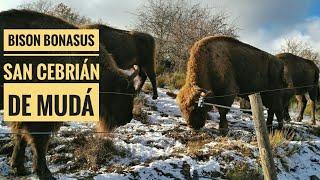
(304, 73)
(115, 109)
(129, 48)
(227, 67)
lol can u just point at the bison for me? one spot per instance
(129, 48)
(115, 109)
(220, 68)
(305, 76)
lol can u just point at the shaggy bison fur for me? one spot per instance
(115, 109)
(228, 67)
(129, 48)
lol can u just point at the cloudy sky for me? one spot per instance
(264, 23)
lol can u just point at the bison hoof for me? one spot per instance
(196, 126)
(45, 175)
(155, 97)
(20, 171)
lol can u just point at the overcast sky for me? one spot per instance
(263, 23)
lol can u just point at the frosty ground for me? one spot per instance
(159, 145)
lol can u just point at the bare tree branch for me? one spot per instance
(177, 24)
(59, 10)
(300, 48)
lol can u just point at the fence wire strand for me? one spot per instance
(130, 94)
(261, 91)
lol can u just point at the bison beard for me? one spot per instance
(227, 66)
(111, 79)
(129, 48)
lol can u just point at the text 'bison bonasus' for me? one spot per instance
(115, 109)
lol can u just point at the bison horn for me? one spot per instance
(132, 73)
(136, 71)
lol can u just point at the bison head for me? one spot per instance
(117, 104)
(194, 115)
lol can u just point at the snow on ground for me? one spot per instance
(164, 147)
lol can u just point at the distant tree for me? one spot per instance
(60, 10)
(177, 24)
(65, 12)
(42, 6)
(300, 48)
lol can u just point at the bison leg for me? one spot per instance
(302, 103)
(223, 124)
(313, 112)
(152, 76)
(286, 113)
(17, 158)
(270, 119)
(313, 97)
(245, 104)
(279, 115)
(39, 146)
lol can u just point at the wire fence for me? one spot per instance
(68, 133)
(263, 91)
(225, 107)
(225, 95)
(130, 94)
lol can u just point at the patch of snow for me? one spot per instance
(160, 148)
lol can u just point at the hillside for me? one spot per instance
(158, 145)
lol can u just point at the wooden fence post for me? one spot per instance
(266, 156)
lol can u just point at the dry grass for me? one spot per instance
(279, 138)
(193, 147)
(308, 110)
(147, 87)
(96, 152)
(244, 172)
(294, 106)
(171, 80)
(138, 113)
(225, 144)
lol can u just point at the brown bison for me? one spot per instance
(129, 48)
(112, 79)
(305, 74)
(228, 67)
